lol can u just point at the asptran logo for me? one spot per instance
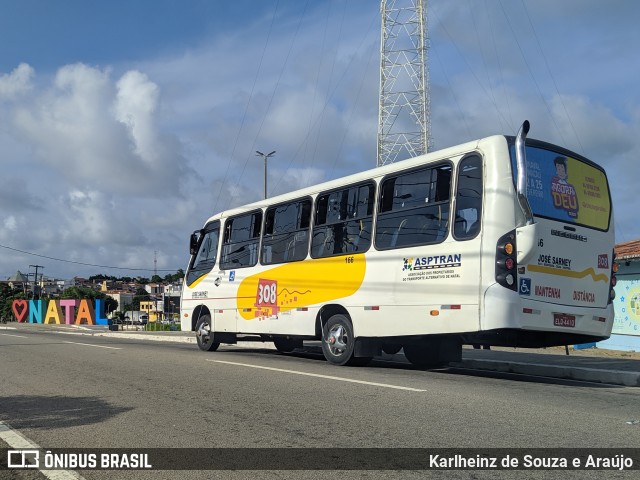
(434, 261)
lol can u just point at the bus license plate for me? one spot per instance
(564, 320)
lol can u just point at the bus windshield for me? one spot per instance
(563, 187)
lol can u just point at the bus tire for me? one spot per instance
(338, 341)
(391, 348)
(204, 335)
(285, 345)
(422, 355)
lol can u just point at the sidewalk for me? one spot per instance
(591, 365)
(603, 366)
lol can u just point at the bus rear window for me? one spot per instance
(565, 188)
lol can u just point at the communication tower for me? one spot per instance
(404, 125)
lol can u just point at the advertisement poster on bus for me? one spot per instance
(566, 189)
(627, 306)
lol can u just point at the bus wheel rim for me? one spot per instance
(337, 340)
(203, 332)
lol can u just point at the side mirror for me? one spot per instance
(193, 243)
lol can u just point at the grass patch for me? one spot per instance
(161, 327)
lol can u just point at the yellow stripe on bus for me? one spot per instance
(569, 273)
(300, 284)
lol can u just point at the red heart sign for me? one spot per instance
(20, 309)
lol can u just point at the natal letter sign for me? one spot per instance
(60, 311)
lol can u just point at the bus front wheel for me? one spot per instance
(204, 335)
(338, 341)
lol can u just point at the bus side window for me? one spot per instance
(414, 208)
(240, 242)
(468, 213)
(343, 221)
(286, 232)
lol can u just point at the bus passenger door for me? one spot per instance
(225, 313)
(466, 228)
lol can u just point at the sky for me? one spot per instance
(125, 125)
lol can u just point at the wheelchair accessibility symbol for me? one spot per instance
(525, 286)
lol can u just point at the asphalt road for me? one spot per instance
(67, 391)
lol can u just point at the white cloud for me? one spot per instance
(17, 82)
(135, 105)
(94, 133)
(296, 178)
(592, 128)
(10, 223)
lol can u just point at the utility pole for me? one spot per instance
(35, 283)
(265, 156)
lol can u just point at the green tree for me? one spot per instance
(101, 277)
(175, 277)
(80, 293)
(110, 305)
(7, 296)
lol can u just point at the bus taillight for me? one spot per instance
(506, 265)
(614, 280)
(508, 248)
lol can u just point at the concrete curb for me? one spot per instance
(147, 336)
(568, 372)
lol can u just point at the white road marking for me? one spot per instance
(92, 345)
(10, 335)
(17, 441)
(328, 377)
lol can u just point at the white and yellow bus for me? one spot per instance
(503, 241)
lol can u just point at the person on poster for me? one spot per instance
(563, 193)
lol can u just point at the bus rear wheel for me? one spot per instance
(391, 348)
(204, 335)
(421, 355)
(286, 345)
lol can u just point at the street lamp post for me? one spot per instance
(265, 156)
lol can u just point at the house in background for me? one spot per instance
(626, 326)
(18, 280)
